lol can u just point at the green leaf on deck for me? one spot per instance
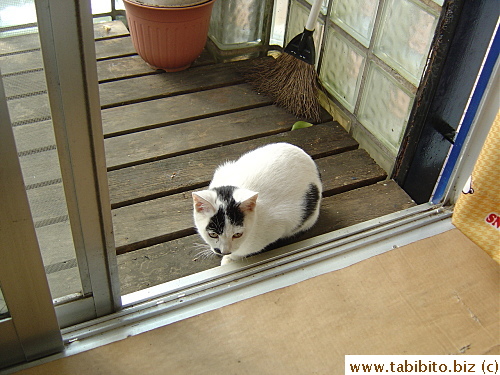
(301, 125)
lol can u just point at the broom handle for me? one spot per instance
(313, 15)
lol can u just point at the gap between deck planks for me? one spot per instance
(174, 175)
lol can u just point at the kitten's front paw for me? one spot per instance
(226, 259)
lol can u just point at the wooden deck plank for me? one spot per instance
(21, 62)
(64, 282)
(115, 47)
(320, 142)
(170, 217)
(184, 172)
(130, 66)
(31, 82)
(47, 204)
(29, 109)
(167, 84)
(33, 107)
(195, 135)
(34, 137)
(104, 30)
(20, 43)
(347, 171)
(30, 65)
(161, 263)
(355, 206)
(31, 59)
(181, 108)
(56, 243)
(135, 117)
(123, 67)
(153, 222)
(352, 169)
(143, 88)
(109, 67)
(171, 260)
(40, 168)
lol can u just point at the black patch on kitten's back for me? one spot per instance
(229, 208)
(310, 202)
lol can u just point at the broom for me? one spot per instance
(291, 79)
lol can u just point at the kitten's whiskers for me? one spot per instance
(204, 251)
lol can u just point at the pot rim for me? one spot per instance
(145, 4)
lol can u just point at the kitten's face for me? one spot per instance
(223, 216)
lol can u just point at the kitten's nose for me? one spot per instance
(218, 251)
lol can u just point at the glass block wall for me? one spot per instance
(372, 54)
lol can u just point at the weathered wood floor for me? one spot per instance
(164, 135)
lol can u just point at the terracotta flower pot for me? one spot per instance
(169, 38)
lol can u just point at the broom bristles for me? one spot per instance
(290, 82)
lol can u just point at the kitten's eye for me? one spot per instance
(213, 235)
(237, 235)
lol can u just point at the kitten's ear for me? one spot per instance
(201, 202)
(248, 205)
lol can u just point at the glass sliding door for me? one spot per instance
(58, 261)
(68, 51)
(28, 325)
(51, 117)
(27, 99)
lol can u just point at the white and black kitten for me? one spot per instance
(270, 193)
